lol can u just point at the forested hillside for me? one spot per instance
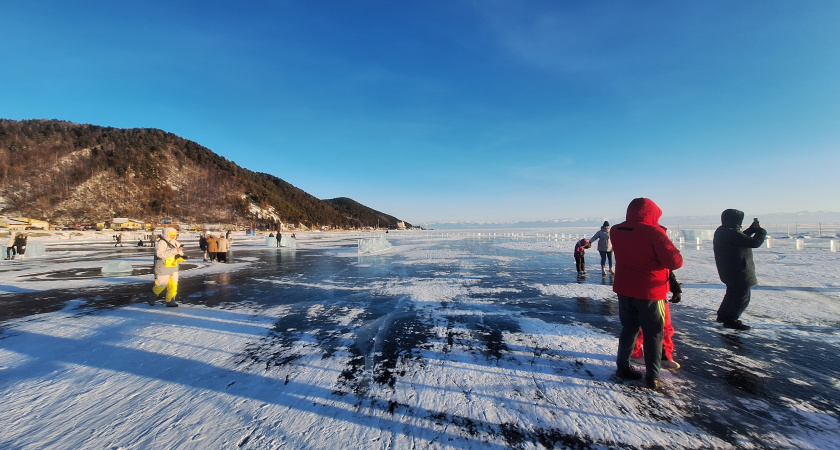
(69, 173)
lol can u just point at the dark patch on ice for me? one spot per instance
(96, 272)
(382, 346)
(489, 331)
(600, 314)
(404, 337)
(275, 349)
(754, 378)
(89, 300)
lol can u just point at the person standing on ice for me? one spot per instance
(644, 256)
(580, 252)
(212, 247)
(222, 246)
(734, 261)
(10, 246)
(638, 355)
(168, 254)
(202, 244)
(604, 246)
(20, 244)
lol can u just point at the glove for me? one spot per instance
(676, 297)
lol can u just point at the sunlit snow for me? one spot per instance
(443, 340)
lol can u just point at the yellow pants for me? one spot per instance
(168, 283)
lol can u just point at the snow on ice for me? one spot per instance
(445, 340)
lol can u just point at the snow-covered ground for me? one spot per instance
(445, 340)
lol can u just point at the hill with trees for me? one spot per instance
(70, 173)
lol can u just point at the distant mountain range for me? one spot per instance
(69, 173)
(803, 217)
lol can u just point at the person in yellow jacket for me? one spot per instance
(168, 254)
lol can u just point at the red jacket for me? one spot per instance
(643, 253)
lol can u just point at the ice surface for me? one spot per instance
(288, 242)
(373, 245)
(34, 249)
(285, 241)
(454, 341)
(117, 267)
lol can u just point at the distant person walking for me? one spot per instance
(212, 247)
(222, 246)
(604, 246)
(644, 257)
(734, 261)
(119, 240)
(202, 244)
(10, 246)
(169, 253)
(279, 239)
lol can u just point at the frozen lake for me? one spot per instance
(444, 340)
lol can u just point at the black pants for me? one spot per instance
(649, 316)
(10, 252)
(735, 301)
(580, 264)
(604, 257)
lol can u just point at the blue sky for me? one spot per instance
(448, 110)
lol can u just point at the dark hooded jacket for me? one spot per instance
(733, 249)
(643, 252)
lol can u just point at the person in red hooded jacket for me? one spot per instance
(644, 258)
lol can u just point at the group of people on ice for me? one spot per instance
(169, 254)
(604, 248)
(16, 245)
(215, 248)
(645, 276)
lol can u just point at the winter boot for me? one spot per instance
(628, 373)
(171, 304)
(669, 364)
(736, 325)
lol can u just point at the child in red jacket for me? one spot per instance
(580, 249)
(638, 356)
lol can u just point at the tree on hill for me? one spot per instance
(74, 173)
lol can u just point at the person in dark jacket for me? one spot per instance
(734, 261)
(644, 256)
(202, 244)
(20, 244)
